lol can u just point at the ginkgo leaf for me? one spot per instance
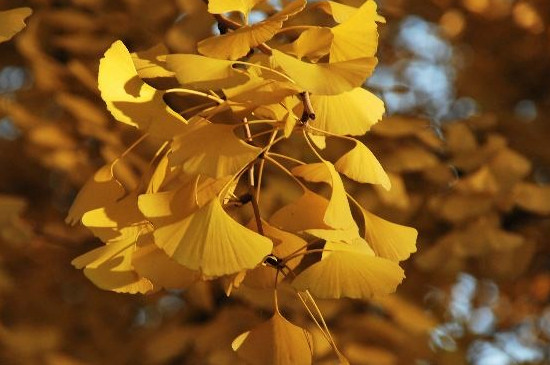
(100, 190)
(211, 241)
(350, 113)
(259, 91)
(211, 149)
(226, 6)
(349, 270)
(313, 172)
(284, 244)
(326, 78)
(148, 63)
(340, 12)
(110, 267)
(115, 218)
(361, 165)
(205, 73)
(12, 22)
(275, 342)
(304, 213)
(236, 44)
(335, 235)
(132, 101)
(169, 206)
(338, 213)
(152, 263)
(313, 43)
(389, 240)
(357, 36)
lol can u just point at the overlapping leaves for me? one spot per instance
(195, 213)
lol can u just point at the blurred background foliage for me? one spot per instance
(465, 139)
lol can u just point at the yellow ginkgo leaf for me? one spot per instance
(338, 213)
(205, 73)
(211, 149)
(357, 36)
(110, 267)
(275, 342)
(313, 172)
(132, 101)
(313, 43)
(340, 12)
(284, 244)
(149, 63)
(361, 165)
(259, 91)
(326, 78)
(12, 22)
(115, 218)
(164, 176)
(350, 113)
(389, 240)
(335, 235)
(100, 190)
(152, 263)
(306, 212)
(226, 6)
(236, 44)
(209, 240)
(169, 206)
(349, 270)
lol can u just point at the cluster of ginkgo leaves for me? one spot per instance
(235, 108)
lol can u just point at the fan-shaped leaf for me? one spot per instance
(132, 101)
(275, 342)
(349, 270)
(211, 241)
(326, 78)
(361, 165)
(350, 113)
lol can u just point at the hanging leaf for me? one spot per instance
(275, 342)
(338, 213)
(350, 113)
(304, 213)
(326, 78)
(349, 270)
(361, 165)
(389, 240)
(12, 22)
(132, 101)
(211, 149)
(209, 240)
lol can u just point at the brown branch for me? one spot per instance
(309, 113)
(251, 183)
